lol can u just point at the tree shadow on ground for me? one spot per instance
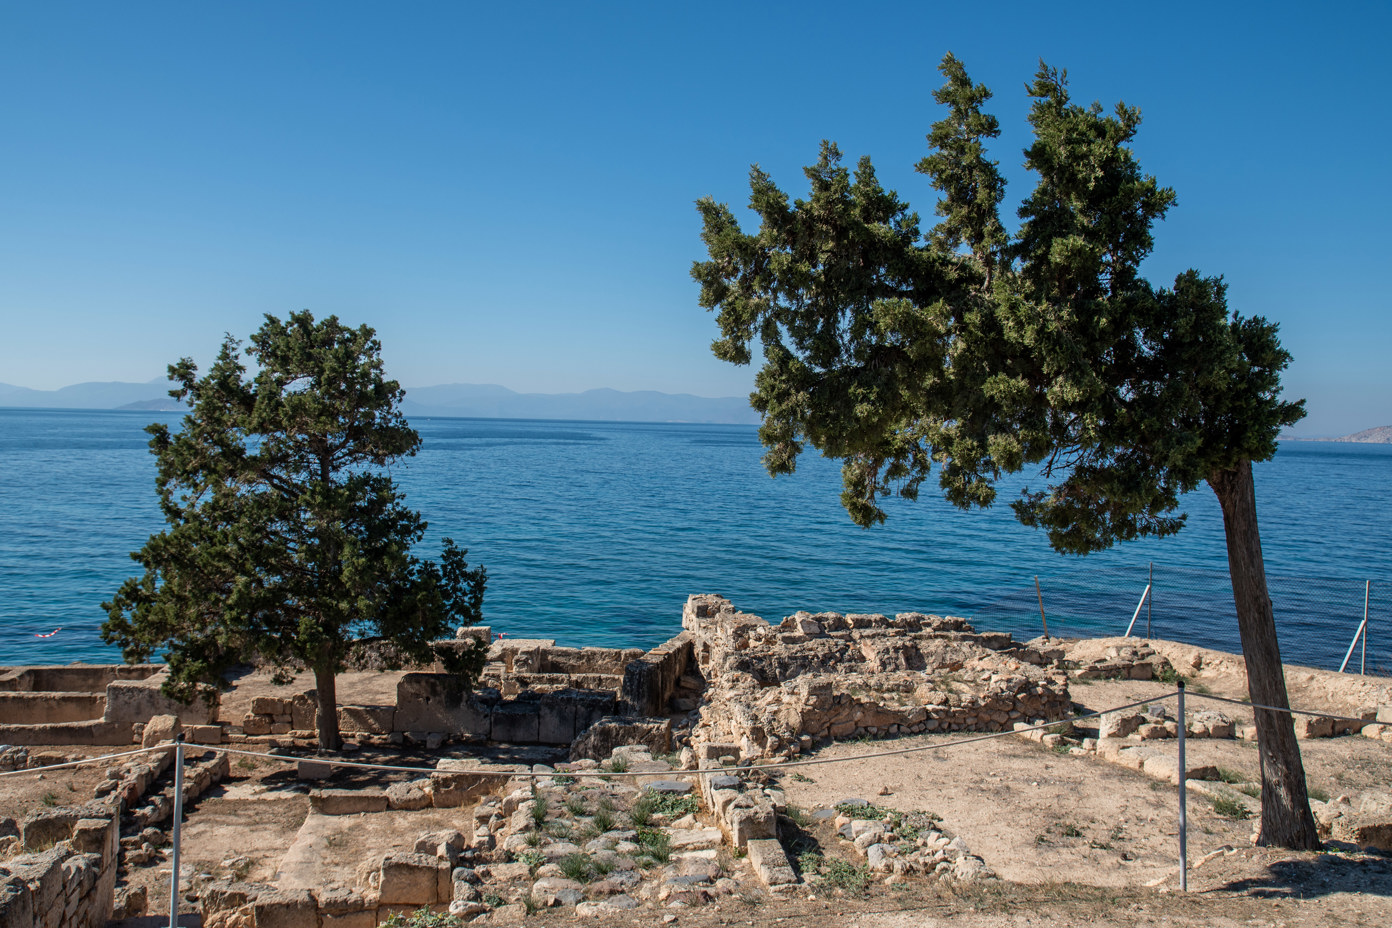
(1317, 875)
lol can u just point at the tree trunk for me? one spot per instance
(1285, 820)
(327, 718)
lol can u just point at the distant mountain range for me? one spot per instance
(1382, 435)
(465, 400)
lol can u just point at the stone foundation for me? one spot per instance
(775, 690)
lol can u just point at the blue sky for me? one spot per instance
(505, 191)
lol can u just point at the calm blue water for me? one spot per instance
(595, 533)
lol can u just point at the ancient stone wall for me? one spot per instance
(774, 690)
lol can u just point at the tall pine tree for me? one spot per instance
(287, 537)
(985, 353)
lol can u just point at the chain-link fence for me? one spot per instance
(1317, 618)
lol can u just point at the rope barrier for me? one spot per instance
(86, 760)
(784, 765)
(1257, 705)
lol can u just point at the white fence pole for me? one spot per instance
(1137, 614)
(1361, 633)
(178, 821)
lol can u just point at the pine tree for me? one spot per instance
(287, 537)
(985, 353)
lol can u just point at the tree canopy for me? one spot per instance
(287, 538)
(976, 352)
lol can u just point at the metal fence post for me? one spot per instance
(1367, 592)
(1137, 614)
(1361, 633)
(1183, 802)
(178, 822)
(1150, 600)
(1040, 597)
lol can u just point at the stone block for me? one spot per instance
(770, 863)
(95, 836)
(372, 720)
(744, 823)
(1119, 724)
(160, 729)
(205, 734)
(255, 725)
(366, 918)
(16, 902)
(1167, 768)
(409, 796)
(347, 801)
(409, 879)
(600, 739)
(694, 839)
(517, 722)
(438, 702)
(313, 770)
(46, 827)
(270, 705)
(132, 701)
(557, 721)
(1313, 726)
(286, 908)
(303, 709)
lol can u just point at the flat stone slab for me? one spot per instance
(694, 839)
(770, 863)
(347, 801)
(669, 787)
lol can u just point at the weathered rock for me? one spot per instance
(409, 879)
(160, 729)
(409, 796)
(347, 801)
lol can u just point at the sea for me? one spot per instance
(595, 533)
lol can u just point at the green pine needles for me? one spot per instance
(972, 352)
(287, 539)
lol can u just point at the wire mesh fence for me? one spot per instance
(1317, 618)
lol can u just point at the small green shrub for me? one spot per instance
(50, 799)
(1069, 830)
(656, 845)
(423, 918)
(675, 806)
(577, 867)
(1231, 808)
(799, 777)
(533, 860)
(540, 806)
(842, 874)
(603, 820)
(1229, 775)
(642, 812)
(575, 804)
(618, 763)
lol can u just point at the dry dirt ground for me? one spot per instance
(1075, 840)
